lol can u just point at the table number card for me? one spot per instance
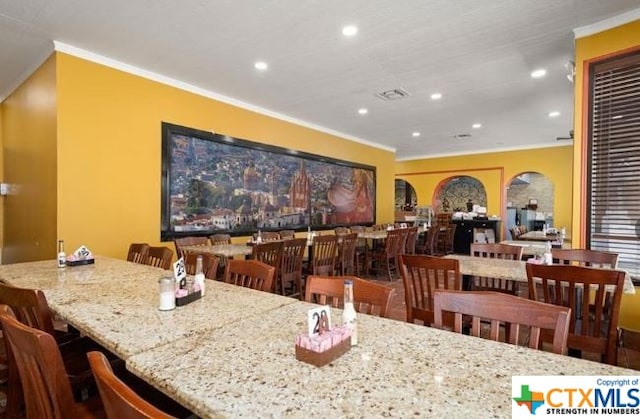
(318, 317)
(180, 273)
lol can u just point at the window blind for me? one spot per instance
(614, 160)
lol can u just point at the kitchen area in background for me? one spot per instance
(530, 203)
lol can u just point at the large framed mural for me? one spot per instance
(213, 183)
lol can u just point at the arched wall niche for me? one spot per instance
(454, 193)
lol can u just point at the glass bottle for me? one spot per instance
(259, 238)
(349, 318)
(199, 277)
(547, 258)
(62, 257)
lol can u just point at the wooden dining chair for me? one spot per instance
(323, 254)
(290, 273)
(269, 252)
(346, 261)
(421, 276)
(268, 236)
(362, 248)
(429, 247)
(410, 243)
(119, 400)
(220, 238)
(159, 257)
(495, 251)
(369, 297)
(30, 307)
(585, 257)
(45, 383)
(137, 252)
(504, 310)
(387, 256)
(189, 241)
(287, 234)
(209, 264)
(593, 327)
(250, 273)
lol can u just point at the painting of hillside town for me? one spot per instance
(213, 184)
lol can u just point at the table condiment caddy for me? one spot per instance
(323, 344)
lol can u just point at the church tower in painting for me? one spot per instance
(300, 188)
(250, 177)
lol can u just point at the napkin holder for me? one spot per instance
(80, 262)
(189, 298)
(323, 358)
(327, 346)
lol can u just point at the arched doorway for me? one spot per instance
(405, 196)
(530, 202)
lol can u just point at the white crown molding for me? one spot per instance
(606, 24)
(26, 73)
(127, 68)
(493, 150)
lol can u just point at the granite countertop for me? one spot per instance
(116, 302)
(225, 250)
(398, 369)
(514, 270)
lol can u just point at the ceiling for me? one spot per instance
(477, 53)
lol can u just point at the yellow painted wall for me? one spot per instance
(29, 156)
(592, 48)
(109, 141)
(2, 177)
(495, 171)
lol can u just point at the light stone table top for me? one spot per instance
(224, 250)
(116, 302)
(399, 369)
(514, 270)
(531, 248)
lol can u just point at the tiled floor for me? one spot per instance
(628, 356)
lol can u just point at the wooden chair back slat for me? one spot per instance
(501, 309)
(495, 251)
(291, 265)
(369, 297)
(220, 238)
(209, 264)
(347, 254)
(159, 257)
(594, 296)
(189, 241)
(421, 276)
(46, 388)
(250, 273)
(324, 253)
(137, 252)
(585, 257)
(119, 400)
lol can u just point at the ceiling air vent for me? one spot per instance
(462, 136)
(393, 94)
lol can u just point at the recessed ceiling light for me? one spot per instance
(554, 114)
(436, 96)
(415, 134)
(476, 125)
(363, 111)
(536, 74)
(261, 65)
(350, 30)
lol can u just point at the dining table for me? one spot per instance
(531, 248)
(231, 353)
(513, 270)
(543, 237)
(229, 251)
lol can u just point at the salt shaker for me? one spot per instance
(167, 293)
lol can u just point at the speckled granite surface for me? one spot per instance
(399, 369)
(116, 302)
(507, 269)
